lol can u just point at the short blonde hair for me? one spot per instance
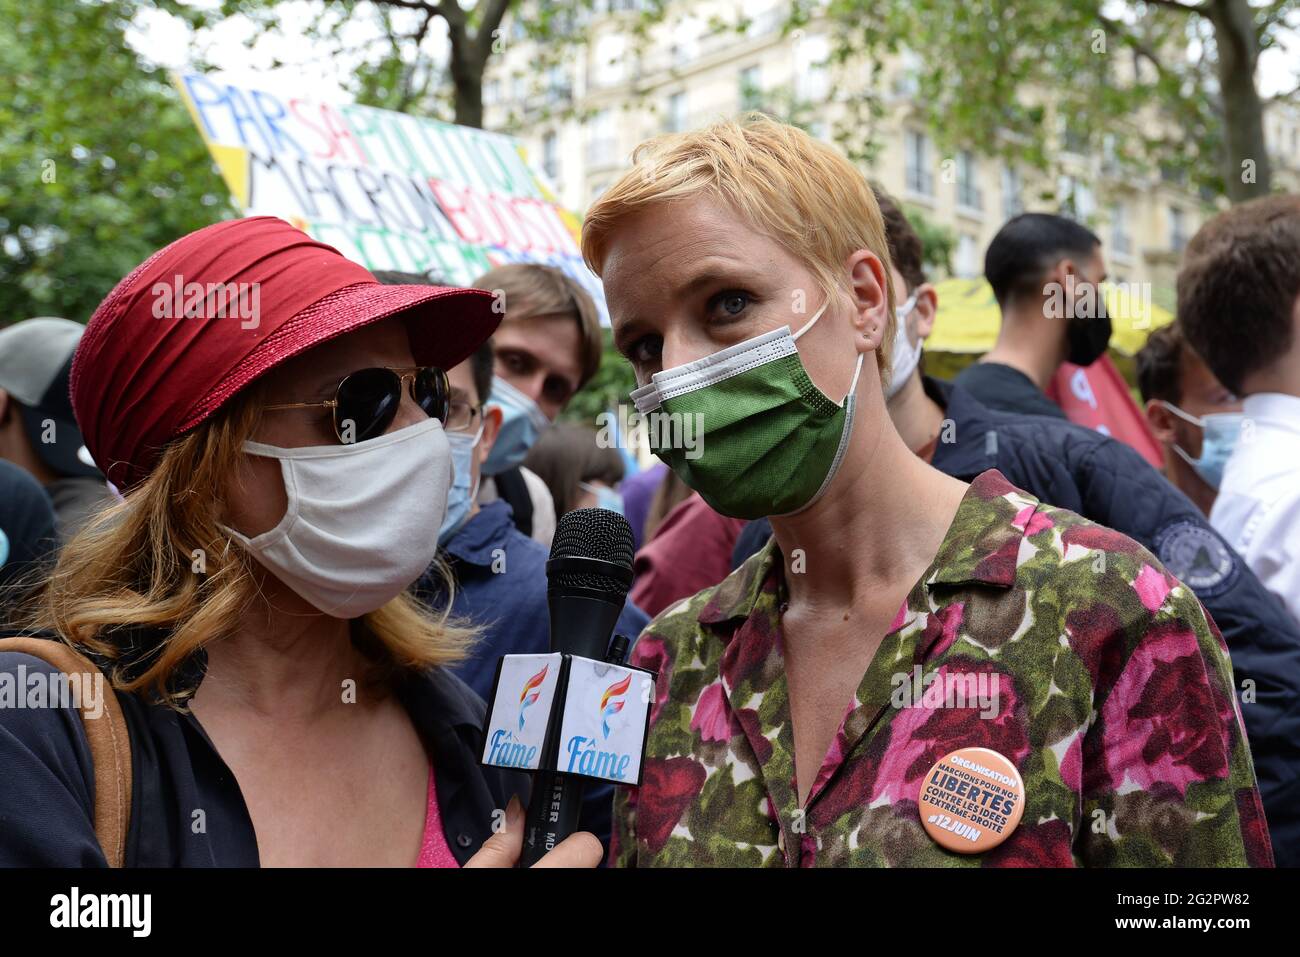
(800, 192)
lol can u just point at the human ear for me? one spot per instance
(868, 290)
(1161, 421)
(491, 428)
(924, 311)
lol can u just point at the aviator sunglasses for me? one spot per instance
(366, 401)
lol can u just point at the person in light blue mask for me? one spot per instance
(1196, 419)
(522, 421)
(602, 496)
(466, 425)
(548, 346)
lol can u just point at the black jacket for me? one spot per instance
(1077, 468)
(47, 795)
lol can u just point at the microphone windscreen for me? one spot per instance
(593, 533)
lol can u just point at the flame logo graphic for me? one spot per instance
(611, 702)
(530, 694)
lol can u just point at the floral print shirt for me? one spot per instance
(1114, 700)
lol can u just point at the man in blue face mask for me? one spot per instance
(547, 347)
(1195, 417)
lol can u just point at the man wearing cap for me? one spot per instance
(38, 431)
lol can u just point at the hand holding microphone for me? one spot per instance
(577, 712)
(580, 849)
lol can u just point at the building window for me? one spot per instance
(967, 265)
(685, 47)
(611, 59)
(1109, 155)
(551, 156)
(1120, 240)
(968, 193)
(1012, 191)
(751, 92)
(907, 80)
(602, 146)
(917, 173)
(675, 115)
(558, 88)
(1177, 229)
(812, 69)
(1076, 198)
(767, 19)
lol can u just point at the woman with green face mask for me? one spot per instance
(806, 705)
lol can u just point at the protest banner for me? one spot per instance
(387, 189)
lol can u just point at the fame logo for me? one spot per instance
(611, 702)
(528, 697)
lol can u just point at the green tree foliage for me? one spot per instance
(939, 242)
(100, 163)
(432, 54)
(1141, 82)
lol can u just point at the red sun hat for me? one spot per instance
(155, 361)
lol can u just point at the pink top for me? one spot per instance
(434, 850)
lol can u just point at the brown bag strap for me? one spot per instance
(110, 745)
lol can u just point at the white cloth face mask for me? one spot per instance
(905, 357)
(362, 519)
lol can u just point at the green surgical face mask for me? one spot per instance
(767, 441)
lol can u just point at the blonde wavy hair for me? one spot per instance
(136, 565)
(798, 191)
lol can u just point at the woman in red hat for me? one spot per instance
(273, 416)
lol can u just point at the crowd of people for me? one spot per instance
(298, 552)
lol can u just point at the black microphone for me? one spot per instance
(588, 576)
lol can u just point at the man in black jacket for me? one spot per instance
(1074, 467)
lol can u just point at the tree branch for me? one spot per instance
(411, 5)
(1134, 42)
(408, 84)
(1176, 5)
